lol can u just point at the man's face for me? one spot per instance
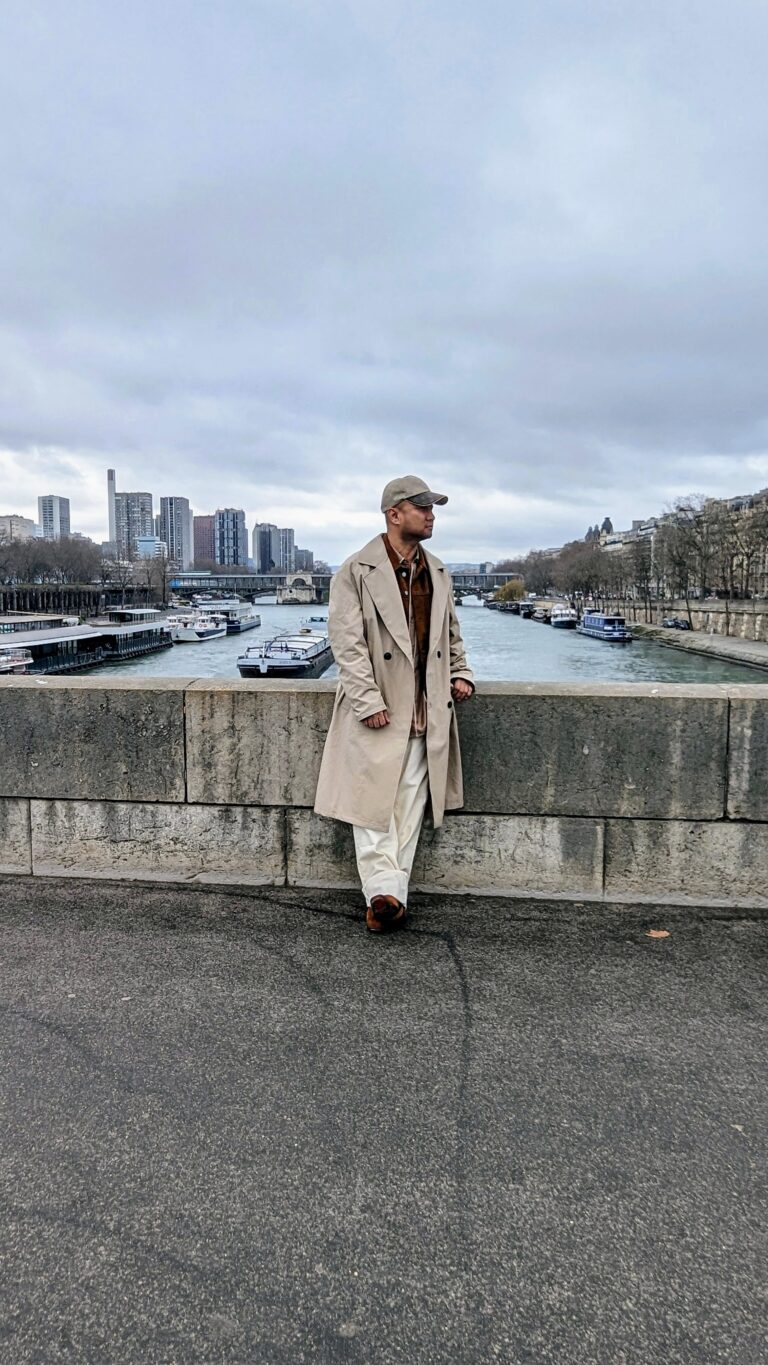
(413, 523)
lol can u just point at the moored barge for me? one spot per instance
(603, 627)
(305, 653)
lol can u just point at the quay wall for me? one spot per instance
(616, 792)
(736, 620)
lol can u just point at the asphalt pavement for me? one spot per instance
(237, 1128)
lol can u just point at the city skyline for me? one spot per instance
(153, 524)
(514, 249)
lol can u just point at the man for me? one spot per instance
(393, 741)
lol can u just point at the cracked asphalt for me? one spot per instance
(235, 1127)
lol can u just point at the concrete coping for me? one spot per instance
(680, 691)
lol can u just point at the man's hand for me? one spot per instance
(376, 722)
(461, 689)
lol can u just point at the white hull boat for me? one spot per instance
(196, 629)
(239, 616)
(14, 660)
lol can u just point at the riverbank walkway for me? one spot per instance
(237, 1128)
(728, 648)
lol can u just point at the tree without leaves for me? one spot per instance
(537, 571)
(578, 568)
(508, 566)
(120, 576)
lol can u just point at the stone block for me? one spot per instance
(510, 854)
(153, 842)
(651, 751)
(15, 847)
(687, 860)
(748, 753)
(506, 855)
(256, 743)
(79, 739)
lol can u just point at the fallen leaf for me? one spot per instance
(657, 933)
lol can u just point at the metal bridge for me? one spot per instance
(261, 585)
(247, 584)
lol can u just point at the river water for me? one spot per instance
(500, 647)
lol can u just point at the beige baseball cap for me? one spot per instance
(415, 490)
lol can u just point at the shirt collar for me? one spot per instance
(396, 559)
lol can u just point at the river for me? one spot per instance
(501, 648)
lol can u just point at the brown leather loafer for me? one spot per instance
(384, 913)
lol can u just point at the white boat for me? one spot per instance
(14, 660)
(238, 615)
(196, 627)
(567, 618)
(603, 627)
(305, 653)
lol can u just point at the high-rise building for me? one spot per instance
(266, 547)
(230, 536)
(130, 516)
(287, 551)
(15, 527)
(304, 559)
(53, 516)
(174, 530)
(111, 495)
(204, 539)
(133, 518)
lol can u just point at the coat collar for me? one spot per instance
(383, 588)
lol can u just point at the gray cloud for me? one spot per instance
(269, 253)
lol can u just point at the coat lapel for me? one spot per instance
(440, 591)
(382, 585)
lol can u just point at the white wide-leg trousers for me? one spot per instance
(384, 861)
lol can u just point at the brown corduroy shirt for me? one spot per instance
(415, 586)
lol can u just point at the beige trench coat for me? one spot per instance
(361, 768)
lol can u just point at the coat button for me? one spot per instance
(387, 655)
(439, 655)
(450, 704)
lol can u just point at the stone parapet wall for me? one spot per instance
(620, 791)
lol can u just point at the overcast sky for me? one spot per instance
(269, 255)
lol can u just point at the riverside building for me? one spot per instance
(53, 516)
(204, 539)
(287, 550)
(230, 536)
(176, 530)
(130, 516)
(266, 547)
(15, 527)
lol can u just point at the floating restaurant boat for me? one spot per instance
(566, 618)
(238, 615)
(305, 653)
(603, 627)
(70, 649)
(196, 627)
